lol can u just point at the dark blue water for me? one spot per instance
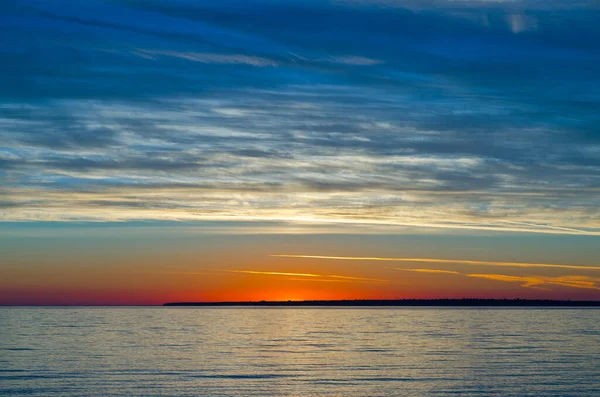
(299, 352)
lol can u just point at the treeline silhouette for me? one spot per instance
(467, 302)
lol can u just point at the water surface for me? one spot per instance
(299, 352)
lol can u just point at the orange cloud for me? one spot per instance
(575, 281)
(324, 276)
(533, 281)
(526, 281)
(429, 271)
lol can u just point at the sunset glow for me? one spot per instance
(157, 151)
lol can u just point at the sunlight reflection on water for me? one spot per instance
(299, 352)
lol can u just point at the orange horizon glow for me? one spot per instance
(324, 276)
(256, 275)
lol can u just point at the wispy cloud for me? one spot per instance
(295, 275)
(446, 261)
(537, 281)
(431, 271)
(356, 60)
(207, 57)
(528, 281)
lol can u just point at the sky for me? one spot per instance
(156, 150)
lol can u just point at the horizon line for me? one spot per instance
(439, 302)
(286, 302)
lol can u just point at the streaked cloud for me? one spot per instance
(207, 57)
(527, 281)
(445, 261)
(540, 281)
(431, 271)
(345, 114)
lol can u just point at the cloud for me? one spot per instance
(521, 23)
(296, 276)
(446, 261)
(527, 281)
(207, 57)
(340, 114)
(356, 60)
(537, 282)
(430, 271)
(310, 275)
(582, 282)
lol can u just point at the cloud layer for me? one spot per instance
(471, 115)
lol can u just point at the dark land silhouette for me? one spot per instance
(404, 302)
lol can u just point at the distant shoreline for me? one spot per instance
(403, 303)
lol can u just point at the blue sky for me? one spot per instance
(156, 151)
(476, 115)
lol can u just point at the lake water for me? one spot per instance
(299, 352)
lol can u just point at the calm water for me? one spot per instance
(299, 352)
